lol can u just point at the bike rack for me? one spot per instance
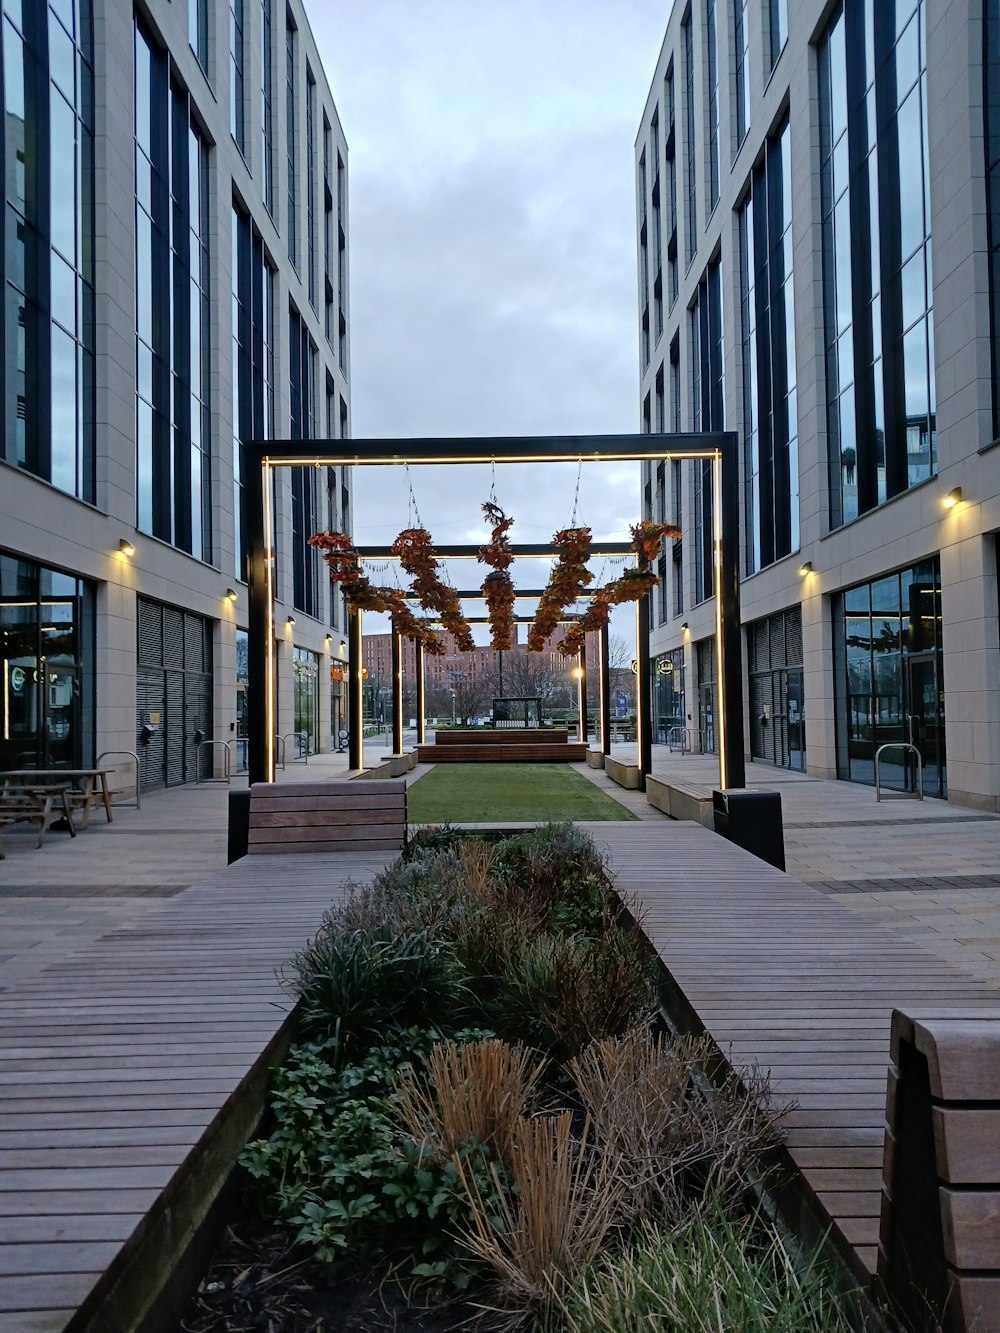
(124, 754)
(299, 737)
(227, 765)
(917, 795)
(682, 738)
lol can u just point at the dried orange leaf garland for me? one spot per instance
(567, 581)
(630, 586)
(415, 550)
(498, 586)
(345, 568)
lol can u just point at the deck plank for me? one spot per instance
(787, 978)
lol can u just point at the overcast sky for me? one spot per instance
(492, 245)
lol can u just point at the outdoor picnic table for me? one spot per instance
(87, 785)
(32, 803)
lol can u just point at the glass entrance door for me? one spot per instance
(926, 721)
(795, 719)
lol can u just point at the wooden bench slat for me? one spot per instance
(307, 818)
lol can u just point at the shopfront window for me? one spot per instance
(668, 697)
(890, 679)
(305, 699)
(46, 661)
(242, 681)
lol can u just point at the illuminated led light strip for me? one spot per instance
(394, 460)
(272, 726)
(720, 703)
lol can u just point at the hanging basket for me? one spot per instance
(498, 586)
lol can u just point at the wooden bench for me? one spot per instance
(939, 1239)
(38, 805)
(626, 775)
(291, 817)
(681, 800)
(503, 736)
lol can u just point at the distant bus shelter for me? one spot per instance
(517, 713)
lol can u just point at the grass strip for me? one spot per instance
(481, 793)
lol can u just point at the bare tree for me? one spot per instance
(473, 694)
(620, 670)
(531, 676)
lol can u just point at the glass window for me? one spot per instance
(198, 30)
(291, 141)
(741, 93)
(173, 398)
(712, 44)
(266, 126)
(889, 679)
(777, 13)
(237, 93)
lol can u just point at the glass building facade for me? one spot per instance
(708, 398)
(877, 277)
(770, 414)
(48, 332)
(46, 667)
(173, 388)
(889, 677)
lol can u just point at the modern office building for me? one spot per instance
(819, 270)
(175, 259)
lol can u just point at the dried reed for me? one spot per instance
(540, 1238)
(676, 1140)
(475, 1091)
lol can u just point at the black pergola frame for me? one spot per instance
(722, 448)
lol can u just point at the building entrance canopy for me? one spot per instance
(720, 448)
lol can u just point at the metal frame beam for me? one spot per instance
(265, 455)
(522, 551)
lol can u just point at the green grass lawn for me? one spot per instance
(481, 793)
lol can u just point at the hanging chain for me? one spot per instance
(493, 481)
(412, 512)
(576, 493)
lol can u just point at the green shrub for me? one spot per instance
(360, 985)
(559, 992)
(714, 1275)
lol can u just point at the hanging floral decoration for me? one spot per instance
(344, 562)
(415, 551)
(630, 586)
(498, 586)
(567, 581)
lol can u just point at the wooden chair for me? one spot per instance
(293, 817)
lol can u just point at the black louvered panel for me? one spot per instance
(776, 634)
(198, 722)
(793, 636)
(175, 773)
(706, 661)
(756, 716)
(762, 651)
(173, 637)
(196, 644)
(150, 616)
(150, 706)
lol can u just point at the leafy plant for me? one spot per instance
(713, 1275)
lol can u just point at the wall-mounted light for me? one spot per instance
(232, 595)
(126, 547)
(953, 497)
(806, 568)
(290, 621)
(684, 628)
(328, 640)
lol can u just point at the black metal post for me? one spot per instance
(421, 720)
(397, 693)
(355, 701)
(643, 708)
(731, 685)
(605, 691)
(584, 717)
(260, 731)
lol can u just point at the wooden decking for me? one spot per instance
(121, 1065)
(786, 977)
